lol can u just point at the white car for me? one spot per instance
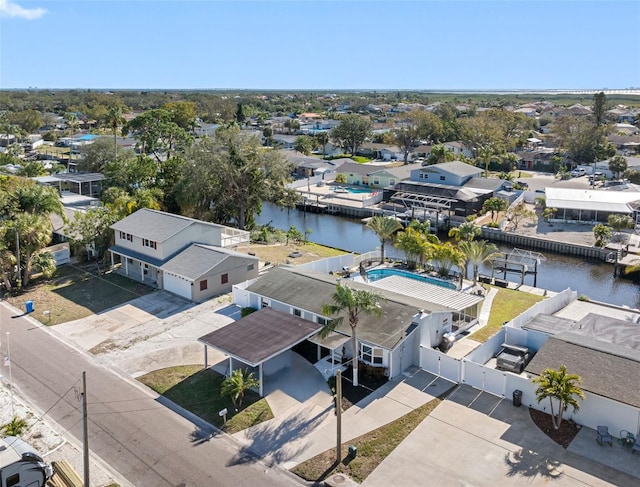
(578, 172)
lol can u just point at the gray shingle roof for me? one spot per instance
(457, 168)
(155, 225)
(355, 168)
(261, 335)
(198, 259)
(604, 369)
(308, 291)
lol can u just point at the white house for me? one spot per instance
(191, 258)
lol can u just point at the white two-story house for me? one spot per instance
(190, 258)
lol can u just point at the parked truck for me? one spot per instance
(20, 466)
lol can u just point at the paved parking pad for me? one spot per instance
(457, 446)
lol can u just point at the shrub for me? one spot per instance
(360, 159)
(493, 225)
(371, 371)
(246, 311)
(583, 297)
(15, 427)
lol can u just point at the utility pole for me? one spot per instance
(19, 278)
(85, 438)
(339, 415)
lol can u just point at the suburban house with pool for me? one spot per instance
(190, 258)
(371, 175)
(416, 314)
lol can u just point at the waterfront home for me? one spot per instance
(454, 173)
(592, 205)
(415, 314)
(373, 175)
(190, 258)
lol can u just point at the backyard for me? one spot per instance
(507, 304)
(198, 390)
(75, 292)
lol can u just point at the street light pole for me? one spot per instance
(339, 415)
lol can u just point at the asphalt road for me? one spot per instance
(148, 444)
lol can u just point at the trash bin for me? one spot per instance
(353, 451)
(517, 398)
(28, 306)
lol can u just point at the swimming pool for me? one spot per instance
(377, 274)
(341, 189)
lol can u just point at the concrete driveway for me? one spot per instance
(461, 446)
(151, 332)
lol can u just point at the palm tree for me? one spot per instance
(477, 252)
(446, 256)
(384, 227)
(563, 387)
(115, 119)
(495, 205)
(354, 302)
(235, 386)
(485, 154)
(323, 139)
(39, 199)
(416, 245)
(34, 232)
(467, 231)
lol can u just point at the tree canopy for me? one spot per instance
(351, 132)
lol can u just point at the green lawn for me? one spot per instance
(73, 293)
(507, 304)
(373, 448)
(198, 390)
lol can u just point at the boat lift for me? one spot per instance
(519, 261)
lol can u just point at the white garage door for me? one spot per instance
(177, 285)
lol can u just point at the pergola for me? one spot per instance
(259, 337)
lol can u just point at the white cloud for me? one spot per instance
(12, 9)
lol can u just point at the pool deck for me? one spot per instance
(324, 195)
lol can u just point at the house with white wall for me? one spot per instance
(190, 258)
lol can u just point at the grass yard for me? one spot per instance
(279, 253)
(198, 390)
(373, 448)
(507, 304)
(73, 293)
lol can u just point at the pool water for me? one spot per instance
(352, 190)
(377, 274)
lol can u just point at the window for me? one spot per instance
(13, 480)
(224, 279)
(250, 267)
(392, 182)
(371, 355)
(376, 181)
(442, 178)
(265, 303)
(322, 321)
(148, 243)
(297, 312)
(203, 285)
(126, 236)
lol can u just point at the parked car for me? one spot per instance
(578, 172)
(513, 358)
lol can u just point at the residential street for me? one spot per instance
(143, 440)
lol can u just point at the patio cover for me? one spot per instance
(260, 336)
(591, 199)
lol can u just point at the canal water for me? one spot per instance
(558, 272)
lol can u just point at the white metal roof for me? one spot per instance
(591, 199)
(430, 293)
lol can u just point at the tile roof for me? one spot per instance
(260, 335)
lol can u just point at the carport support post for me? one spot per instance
(260, 380)
(339, 415)
(206, 358)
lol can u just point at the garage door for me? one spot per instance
(177, 285)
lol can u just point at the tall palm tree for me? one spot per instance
(114, 120)
(477, 252)
(35, 198)
(485, 154)
(237, 384)
(323, 139)
(384, 227)
(559, 386)
(354, 302)
(34, 232)
(416, 245)
(445, 256)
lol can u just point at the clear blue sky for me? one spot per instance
(323, 45)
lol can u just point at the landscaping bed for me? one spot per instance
(563, 436)
(198, 390)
